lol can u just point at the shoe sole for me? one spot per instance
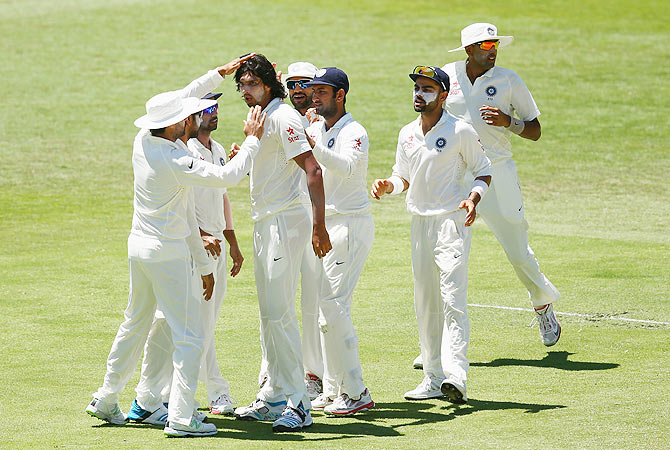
(363, 408)
(285, 429)
(427, 397)
(452, 393)
(557, 338)
(253, 418)
(104, 417)
(171, 433)
(225, 413)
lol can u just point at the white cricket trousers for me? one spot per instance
(502, 210)
(156, 377)
(440, 252)
(279, 242)
(351, 237)
(169, 285)
(309, 305)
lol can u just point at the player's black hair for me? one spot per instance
(157, 131)
(262, 68)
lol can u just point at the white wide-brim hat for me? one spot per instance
(479, 32)
(300, 70)
(168, 108)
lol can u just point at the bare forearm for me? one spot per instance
(531, 130)
(316, 194)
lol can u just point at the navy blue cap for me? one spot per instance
(332, 76)
(434, 73)
(212, 95)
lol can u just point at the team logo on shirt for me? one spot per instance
(491, 91)
(331, 142)
(222, 161)
(440, 143)
(292, 135)
(357, 144)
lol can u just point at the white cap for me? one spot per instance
(168, 108)
(300, 69)
(479, 32)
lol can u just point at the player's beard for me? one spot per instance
(304, 104)
(329, 110)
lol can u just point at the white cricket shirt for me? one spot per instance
(275, 179)
(434, 164)
(163, 172)
(342, 152)
(209, 201)
(498, 87)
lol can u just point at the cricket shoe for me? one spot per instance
(104, 411)
(323, 400)
(346, 406)
(428, 388)
(314, 385)
(141, 415)
(292, 419)
(195, 428)
(550, 329)
(418, 362)
(199, 415)
(261, 410)
(453, 392)
(222, 405)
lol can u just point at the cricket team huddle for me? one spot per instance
(310, 203)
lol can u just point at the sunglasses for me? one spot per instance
(488, 45)
(424, 70)
(211, 109)
(292, 84)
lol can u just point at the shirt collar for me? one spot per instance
(272, 105)
(345, 119)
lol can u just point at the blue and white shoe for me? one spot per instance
(293, 419)
(108, 413)
(141, 415)
(550, 329)
(261, 410)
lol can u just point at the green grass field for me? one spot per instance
(76, 73)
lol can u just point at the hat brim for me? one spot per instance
(414, 76)
(288, 76)
(190, 105)
(504, 41)
(212, 96)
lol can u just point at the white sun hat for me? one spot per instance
(479, 32)
(300, 69)
(170, 107)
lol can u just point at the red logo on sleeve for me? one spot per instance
(290, 130)
(357, 144)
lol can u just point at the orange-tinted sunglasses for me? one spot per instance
(488, 45)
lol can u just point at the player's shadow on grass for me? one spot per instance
(372, 423)
(422, 414)
(350, 427)
(556, 360)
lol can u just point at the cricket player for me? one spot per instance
(281, 231)
(164, 237)
(300, 95)
(340, 145)
(433, 154)
(214, 217)
(497, 103)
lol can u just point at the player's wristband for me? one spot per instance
(480, 187)
(398, 185)
(516, 126)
